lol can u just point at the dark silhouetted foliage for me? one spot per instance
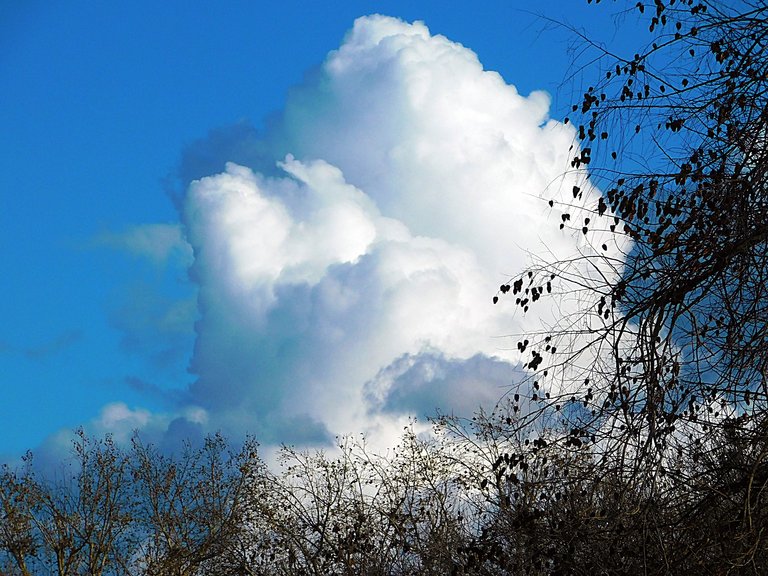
(667, 372)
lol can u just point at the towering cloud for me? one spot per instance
(349, 284)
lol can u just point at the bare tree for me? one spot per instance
(75, 523)
(668, 367)
(18, 541)
(191, 510)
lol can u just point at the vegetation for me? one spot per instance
(669, 362)
(638, 446)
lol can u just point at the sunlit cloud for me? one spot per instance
(345, 260)
(352, 282)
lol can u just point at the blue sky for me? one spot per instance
(110, 109)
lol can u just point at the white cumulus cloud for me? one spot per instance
(409, 183)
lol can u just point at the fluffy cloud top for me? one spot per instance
(352, 285)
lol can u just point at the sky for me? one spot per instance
(278, 218)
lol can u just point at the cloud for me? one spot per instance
(60, 343)
(240, 143)
(428, 383)
(346, 258)
(351, 283)
(167, 431)
(154, 312)
(156, 242)
(155, 327)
